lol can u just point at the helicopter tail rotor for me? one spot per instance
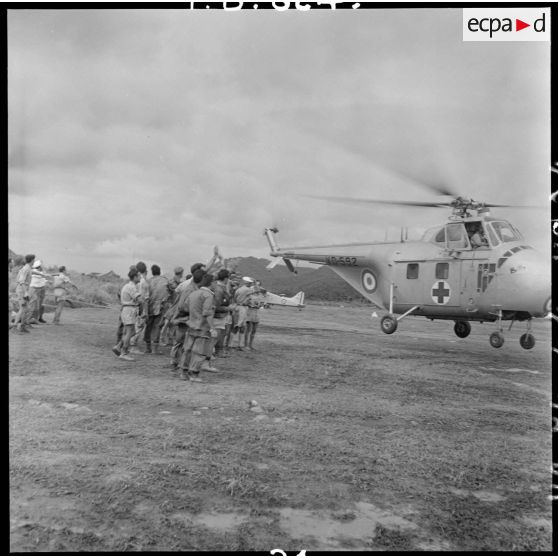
(269, 233)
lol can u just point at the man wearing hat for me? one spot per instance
(37, 291)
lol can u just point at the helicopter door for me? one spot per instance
(434, 285)
(442, 284)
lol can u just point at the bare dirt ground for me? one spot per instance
(418, 441)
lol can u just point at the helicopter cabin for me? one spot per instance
(473, 234)
(451, 282)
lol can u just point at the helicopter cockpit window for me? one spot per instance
(457, 237)
(477, 235)
(505, 232)
(412, 271)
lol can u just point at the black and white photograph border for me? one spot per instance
(372, 374)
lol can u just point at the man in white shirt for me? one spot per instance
(130, 300)
(61, 284)
(241, 298)
(37, 291)
(143, 288)
(22, 292)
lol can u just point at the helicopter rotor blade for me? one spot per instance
(514, 206)
(452, 204)
(437, 187)
(383, 202)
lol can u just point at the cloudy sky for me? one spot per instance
(155, 134)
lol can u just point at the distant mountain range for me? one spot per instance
(317, 284)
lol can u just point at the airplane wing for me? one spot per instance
(296, 301)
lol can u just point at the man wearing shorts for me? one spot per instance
(141, 320)
(37, 291)
(130, 300)
(22, 292)
(222, 309)
(60, 284)
(201, 331)
(255, 302)
(167, 330)
(179, 318)
(241, 299)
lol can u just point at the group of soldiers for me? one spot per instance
(31, 286)
(198, 316)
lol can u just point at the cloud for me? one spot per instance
(163, 133)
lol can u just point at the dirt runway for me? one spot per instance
(416, 441)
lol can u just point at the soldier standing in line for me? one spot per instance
(255, 302)
(233, 286)
(167, 331)
(158, 296)
(141, 320)
(120, 329)
(130, 299)
(222, 309)
(180, 314)
(201, 331)
(241, 299)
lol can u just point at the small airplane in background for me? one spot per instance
(296, 301)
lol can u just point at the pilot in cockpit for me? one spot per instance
(476, 236)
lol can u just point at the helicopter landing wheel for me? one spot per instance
(496, 339)
(527, 341)
(462, 329)
(388, 323)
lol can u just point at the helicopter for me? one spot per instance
(472, 268)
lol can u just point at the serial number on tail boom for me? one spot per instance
(341, 260)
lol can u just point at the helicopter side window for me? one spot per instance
(457, 238)
(442, 270)
(412, 271)
(505, 232)
(440, 236)
(493, 238)
(436, 235)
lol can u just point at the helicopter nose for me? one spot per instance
(530, 274)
